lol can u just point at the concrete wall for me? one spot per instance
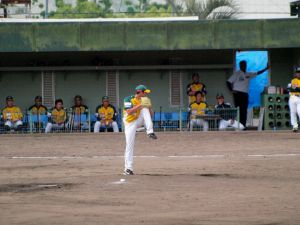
(135, 36)
(90, 85)
(23, 86)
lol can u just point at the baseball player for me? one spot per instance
(294, 101)
(136, 115)
(228, 116)
(39, 111)
(195, 86)
(78, 110)
(58, 117)
(106, 115)
(196, 109)
(12, 115)
(38, 107)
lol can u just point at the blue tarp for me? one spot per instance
(256, 60)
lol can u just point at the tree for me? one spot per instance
(83, 9)
(146, 9)
(210, 9)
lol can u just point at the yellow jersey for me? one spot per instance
(295, 89)
(38, 110)
(130, 102)
(195, 87)
(107, 114)
(58, 116)
(79, 109)
(12, 113)
(197, 109)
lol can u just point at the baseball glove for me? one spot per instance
(146, 102)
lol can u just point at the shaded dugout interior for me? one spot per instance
(56, 70)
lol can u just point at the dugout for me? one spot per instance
(62, 58)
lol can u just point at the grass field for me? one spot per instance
(198, 178)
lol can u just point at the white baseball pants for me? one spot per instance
(55, 126)
(130, 132)
(228, 123)
(199, 122)
(98, 125)
(14, 124)
(294, 104)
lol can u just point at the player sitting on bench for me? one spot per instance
(57, 116)
(106, 115)
(12, 115)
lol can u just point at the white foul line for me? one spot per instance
(274, 155)
(149, 156)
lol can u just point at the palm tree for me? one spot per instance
(208, 9)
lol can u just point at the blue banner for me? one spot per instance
(256, 60)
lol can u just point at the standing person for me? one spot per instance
(106, 116)
(195, 86)
(227, 114)
(238, 83)
(58, 117)
(79, 114)
(12, 115)
(197, 109)
(294, 101)
(136, 114)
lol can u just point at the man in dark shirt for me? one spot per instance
(227, 114)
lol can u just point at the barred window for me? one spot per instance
(175, 88)
(112, 87)
(48, 88)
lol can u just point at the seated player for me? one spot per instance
(79, 113)
(57, 117)
(12, 115)
(227, 116)
(106, 115)
(196, 109)
(38, 112)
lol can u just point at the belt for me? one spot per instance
(295, 95)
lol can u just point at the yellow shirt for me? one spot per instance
(197, 109)
(12, 113)
(79, 109)
(42, 110)
(130, 102)
(295, 84)
(106, 115)
(58, 116)
(195, 87)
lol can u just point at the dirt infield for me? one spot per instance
(231, 178)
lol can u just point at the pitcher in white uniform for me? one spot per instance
(136, 114)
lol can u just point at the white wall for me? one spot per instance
(256, 9)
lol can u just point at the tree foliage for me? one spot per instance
(204, 9)
(83, 9)
(210, 9)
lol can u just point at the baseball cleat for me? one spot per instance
(295, 129)
(128, 172)
(152, 135)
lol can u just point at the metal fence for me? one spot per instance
(74, 122)
(208, 120)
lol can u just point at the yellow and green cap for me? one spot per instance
(142, 88)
